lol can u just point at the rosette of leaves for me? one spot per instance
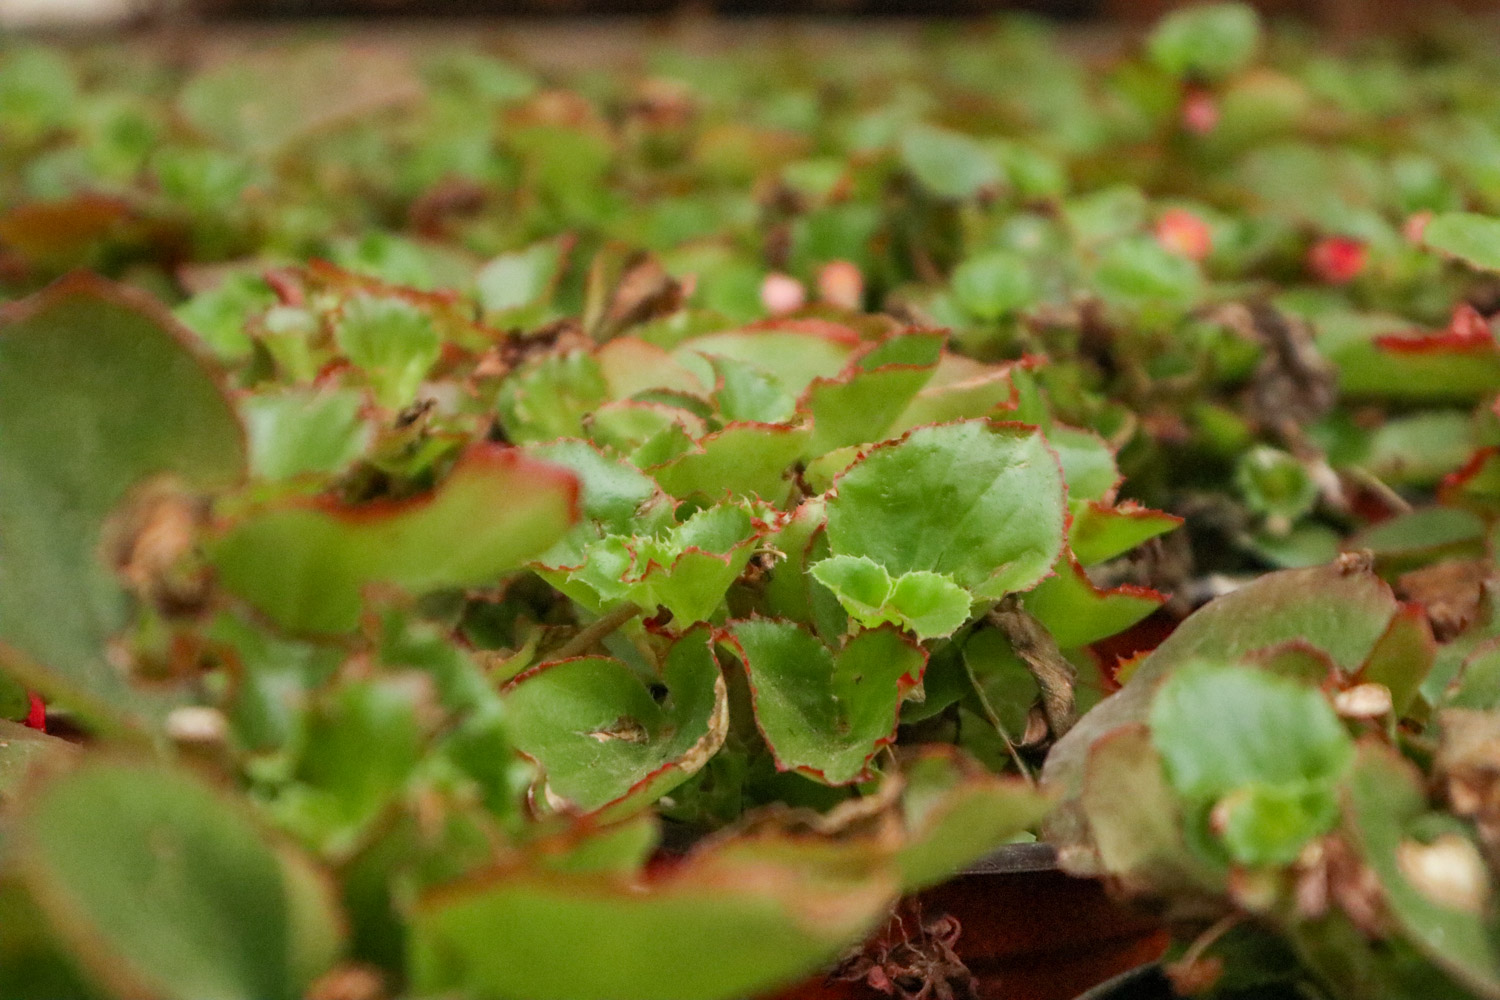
(1281, 777)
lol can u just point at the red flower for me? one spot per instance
(36, 716)
(1337, 260)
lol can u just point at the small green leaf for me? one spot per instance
(300, 431)
(978, 502)
(794, 352)
(603, 742)
(1207, 41)
(1137, 272)
(147, 908)
(993, 284)
(1078, 613)
(826, 714)
(1472, 238)
(926, 603)
(395, 342)
(305, 563)
(1100, 532)
(514, 281)
(949, 164)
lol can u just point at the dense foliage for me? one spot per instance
(490, 535)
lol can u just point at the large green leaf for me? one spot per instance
(305, 563)
(862, 403)
(1264, 752)
(20, 748)
(977, 501)
(731, 922)
(183, 898)
(99, 391)
(794, 352)
(603, 742)
(826, 714)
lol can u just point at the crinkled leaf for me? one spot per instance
(747, 392)
(305, 563)
(548, 398)
(959, 389)
(148, 909)
(927, 604)
(979, 502)
(686, 570)
(823, 713)
(98, 392)
(603, 742)
(1088, 463)
(394, 341)
(616, 498)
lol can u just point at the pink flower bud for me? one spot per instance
(782, 294)
(1200, 112)
(1182, 232)
(840, 284)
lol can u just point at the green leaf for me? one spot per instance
(960, 389)
(747, 392)
(514, 281)
(1138, 272)
(99, 391)
(219, 315)
(981, 503)
(147, 909)
(549, 397)
(361, 743)
(956, 812)
(1274, 483)
(1078, 613)
(20, 748)
(1472, 238)
(686, 570)
(926, 603)
(861, 404)
(298, 431)
(1423, 535)
(395, 342)
(732, 922)
(1101, 532)
(742, 460)
(994, 284)
(948, 164)
(305, 563)
(1265, 750)
(794, 352)
(1206, 41)
(1384, 799)
(616, 497)
(1088, 463)
(1006, 687)
(826, 714)
(603, 742)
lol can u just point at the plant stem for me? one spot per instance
(595, 631)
